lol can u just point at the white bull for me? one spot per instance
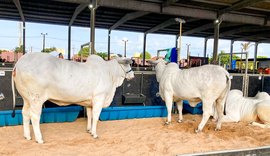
(2, 96)
(248, 109)
(209, 84)
(39, 77)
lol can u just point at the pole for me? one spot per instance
(144, 47)
(255, 57)
(43, 35)
(92, 8)
(69, 41)
(231, 54)
(215, 49)
(205, 47)
(125, 47)
(23, 37)
(109, 44)
(180, 38)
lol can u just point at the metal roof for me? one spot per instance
(247, 20)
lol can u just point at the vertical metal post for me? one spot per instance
(109, 44)
(69, 41)
(23, 37)
(205, 47)
(216, 37)
(144, 47)
(125, 47)
(176, 42)
(255, 57)
(93, 15)
(231, 53)
(43, 36)
(246, 77)
(181, 21)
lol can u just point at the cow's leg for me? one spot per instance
(260, 125)
(180, 108)
(89, 119)
(35, 112)
(169, 104)
(97, 107)
(26, 119)
(219, 108)
(207, 110)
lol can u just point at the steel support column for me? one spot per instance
(205, 47)
(255, 56)
(69, 41)
(216, 37)
(93, 15)
(109, 44)
(23, 37)
(231, 53)
(144, 47)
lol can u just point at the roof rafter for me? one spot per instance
(18, 5)
(77, 11)
(198, 29)
(128, 17)
(169, 2)
(162, 25)
(238, 5)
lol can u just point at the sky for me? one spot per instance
(57, 36)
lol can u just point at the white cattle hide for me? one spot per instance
(2, 96)
(39, 77)
(208, 83)
(248, 109)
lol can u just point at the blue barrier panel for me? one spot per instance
(132, 112)
(49, 115)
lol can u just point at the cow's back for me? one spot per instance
(201, 81)
(58, 79)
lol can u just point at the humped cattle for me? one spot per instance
(248, 109)
(209, 84)
(39, 77)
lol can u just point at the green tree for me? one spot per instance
(246, 46)
(47, 50)
(104, 55)
(147, 55)
(225, 59)
(84, 52)
(262, 57)
(19, 49)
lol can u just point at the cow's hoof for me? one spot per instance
(95, 136)
(167, 123)
(27, 138)
(217, 129)
(40, 141)
(250, 124)
(89, 131)
(197, 131)
(179, 121)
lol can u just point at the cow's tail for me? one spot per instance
(13, 91)
(228, 87)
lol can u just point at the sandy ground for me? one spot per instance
(133, 137)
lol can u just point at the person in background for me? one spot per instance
(60, 55)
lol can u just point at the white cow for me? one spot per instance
(208, 83)
(248, 109)
(2, 96)
(39, 77)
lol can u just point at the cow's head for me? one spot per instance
(160, 65)
(2, 96)
(126, 68)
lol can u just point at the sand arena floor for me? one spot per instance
(133, 137)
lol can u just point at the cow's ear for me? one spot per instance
(124, 61)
